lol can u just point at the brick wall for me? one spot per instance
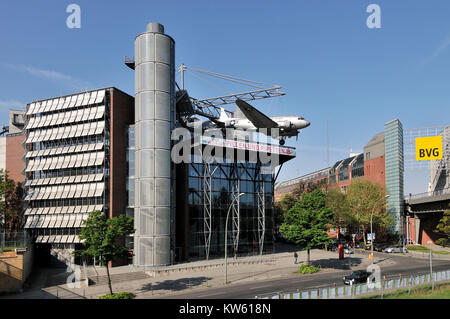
(15, 152)
(122, 114)
(374, 170)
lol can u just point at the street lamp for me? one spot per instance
(371, 231)
(226, 233)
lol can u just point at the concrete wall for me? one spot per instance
(62, 257)
(15, 267)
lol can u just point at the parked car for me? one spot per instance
(395, 249)
(348, 250)
(357, 276)
(380, 247)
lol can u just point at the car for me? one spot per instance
(380, 247)
(395, 249)
(348, 250)
(357, 276)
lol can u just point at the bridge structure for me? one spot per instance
(423, 212)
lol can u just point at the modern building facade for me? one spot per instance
(75, 164)
(381, 162)
(108, 151)
(393, 131)
(155, 110)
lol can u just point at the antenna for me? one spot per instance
(328, 146)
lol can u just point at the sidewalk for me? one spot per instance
(204, 274)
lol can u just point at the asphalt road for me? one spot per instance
(405, 265)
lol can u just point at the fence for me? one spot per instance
(359, 289)
(12, 240)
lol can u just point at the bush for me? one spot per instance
(119, 295)
(305, 269)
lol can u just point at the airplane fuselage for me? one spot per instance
(288, 125)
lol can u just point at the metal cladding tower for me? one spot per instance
(154, 120)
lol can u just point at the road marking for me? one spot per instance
(260, 287)
(219, 293)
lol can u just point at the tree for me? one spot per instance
(11, 204)
(443, 228)
(306, 223)
(103, 238)
(363, 197)
(282, 206)
(337, 202)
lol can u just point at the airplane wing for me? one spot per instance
(256, 117)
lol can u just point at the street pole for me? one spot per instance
(226, 235)
(431, 270)
(371, 231)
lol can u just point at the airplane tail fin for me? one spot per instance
(223, 115)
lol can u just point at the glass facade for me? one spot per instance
(358, 167)
(249, 179)
(130, 171)
(394, 171)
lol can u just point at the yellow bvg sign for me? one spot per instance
(428, 148)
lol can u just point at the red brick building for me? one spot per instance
(12, 151)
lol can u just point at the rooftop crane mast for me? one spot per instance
(208, 107)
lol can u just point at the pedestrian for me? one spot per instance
(295, 257)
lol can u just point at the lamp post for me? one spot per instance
(226, 233)
(371, 231)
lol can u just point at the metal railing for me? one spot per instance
(337, 292)
(429, 194)
(9, 241)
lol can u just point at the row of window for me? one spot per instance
(51, 204)
(67, 142)
(78, 171)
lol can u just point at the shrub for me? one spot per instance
(119, 295)
(305, 269)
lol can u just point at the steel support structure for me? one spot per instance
(234, 200)
(207, 205)
(259, 187)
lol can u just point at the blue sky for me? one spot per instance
(328, 62)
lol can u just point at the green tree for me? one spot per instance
(337, 202)
(282, 206)
(11, 204)
(443, 229)
(103, 237)
(306, 223)
(363, 197)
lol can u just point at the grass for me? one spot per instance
(305, 269)
(119, 295)
(423, 249)
(441, 291)
(10, 248)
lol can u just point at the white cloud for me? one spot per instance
(55, 76)
(443, 45)
(11, 104)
